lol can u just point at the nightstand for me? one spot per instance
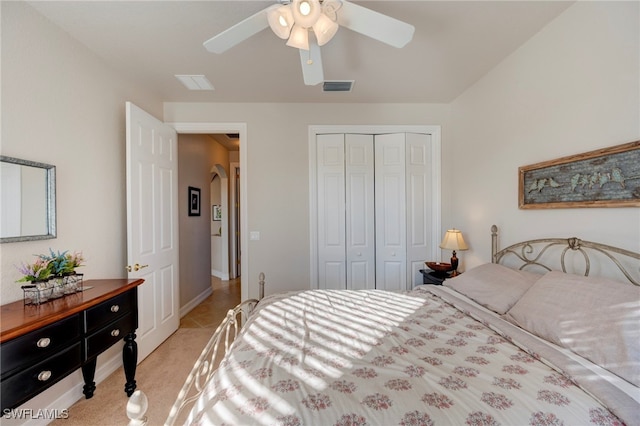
(433, 277)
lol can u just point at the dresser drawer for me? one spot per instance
(39, 344)
(20, 387)
(104, 338)
(102, 314)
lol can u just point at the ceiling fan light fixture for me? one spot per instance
(306, 12)
(324, 29)
(330, 8)
(299, 38)
(280, 20)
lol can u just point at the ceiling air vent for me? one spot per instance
(337, 86)
(195, 82)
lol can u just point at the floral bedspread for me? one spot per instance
(370, 357)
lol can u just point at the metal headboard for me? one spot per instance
(532, 254)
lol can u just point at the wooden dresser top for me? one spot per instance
(17, 318)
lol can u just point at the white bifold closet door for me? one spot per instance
(373, 210)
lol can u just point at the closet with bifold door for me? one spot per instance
(374, 210)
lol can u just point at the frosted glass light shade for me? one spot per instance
(453, 240)
(324, 29)
(280, 19)
(299, 38)
(306, 12)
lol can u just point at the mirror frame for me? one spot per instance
(51, 200)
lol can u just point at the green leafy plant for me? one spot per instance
(51, 265)
(63, 263)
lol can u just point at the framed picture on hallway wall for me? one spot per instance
(216, 212)
(194, 201)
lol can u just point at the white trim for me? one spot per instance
(224, 276)
(314, 130)
(233, 226)
(241, 129)
(188, 307)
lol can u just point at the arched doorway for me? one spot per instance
(219, 211)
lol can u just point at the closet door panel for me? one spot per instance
(390, 202)
(419, 207)
(360, 230)
(331, 208)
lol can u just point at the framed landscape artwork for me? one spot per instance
(608, 177)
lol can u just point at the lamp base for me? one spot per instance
(454, 265)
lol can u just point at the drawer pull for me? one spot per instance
(115, 332)
(44, 375)
(115, 308)
(43, 342)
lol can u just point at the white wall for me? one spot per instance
(574, 87)
(61, 105)
(277, 173)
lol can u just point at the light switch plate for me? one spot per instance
(254, 235)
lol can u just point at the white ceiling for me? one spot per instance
(455, 44)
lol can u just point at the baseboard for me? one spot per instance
(195, 301)
(224, 276)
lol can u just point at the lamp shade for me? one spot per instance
(280, 20)
(306, 12)
(299, 38)
(324, 29)
(453, 241)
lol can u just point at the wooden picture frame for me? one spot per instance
(194, 201)
(608, 177)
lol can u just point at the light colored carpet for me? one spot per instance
(161, 376)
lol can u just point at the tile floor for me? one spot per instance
(211, 311)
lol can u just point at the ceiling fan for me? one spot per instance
(309, 24)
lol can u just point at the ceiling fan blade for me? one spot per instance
(312, 64)
(375, 25)
(238, 33)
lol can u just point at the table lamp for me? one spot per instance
(453, 241)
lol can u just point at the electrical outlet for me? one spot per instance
(254, 235)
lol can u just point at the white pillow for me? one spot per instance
(596, 318)
(493, 286)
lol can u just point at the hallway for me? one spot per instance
(212, 310)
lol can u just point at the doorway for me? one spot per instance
(241, 241)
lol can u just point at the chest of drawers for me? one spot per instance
(40, 345)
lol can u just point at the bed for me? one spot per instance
(531, 338)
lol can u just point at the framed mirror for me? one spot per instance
(27, 200)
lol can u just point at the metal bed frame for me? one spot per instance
(537, 254)
(526, 255)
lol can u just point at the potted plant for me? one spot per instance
(63, 269)
(51, 276)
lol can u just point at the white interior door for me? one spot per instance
(360, 220)
(331, 212)
(152, 225)
(419, 204)
(391, 228)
